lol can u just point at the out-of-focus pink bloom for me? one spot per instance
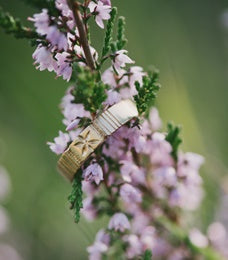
(180, 196)
(93, 173)
(148, 238)
(74, 133)
(131, 172)
(103, 237)
(41, 22)
(89, 188)
(8, 252)
(89, 211)
(134, 246)
(44, 58)
(179, 254)
(217, 233)
(129, 194)
(109, 78)
(96, 250)
(5, 184)
(165, 176)
(159, 150)
(154, 119)
(64, 67)
(119, 222)
(60, 143)
(102, 12)
(120, 60)
(197, 238)
(189, 161)
(140, 221)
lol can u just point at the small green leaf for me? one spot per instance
(147, 255)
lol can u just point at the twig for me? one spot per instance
(74, 6)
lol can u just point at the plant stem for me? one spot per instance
(74, 6)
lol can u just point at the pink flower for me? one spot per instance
(102, 12)
(41, 21)
(120, 60)
(60, 143)
(64, 66)
(44, 58)
(159, 150)
(129, 194)
(166, 176)
(154, 119)
(106, 2)
(134, 246)
(93, 173)
(73, 112)
(217, 233)
(189, 162)
(57, 38)
(136, 75)
(89, 211)
(131, 172)
(79, 51)
(119, 222)
(113, 97)
(197, 238)
(66, 12)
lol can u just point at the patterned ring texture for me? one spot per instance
(94, 135)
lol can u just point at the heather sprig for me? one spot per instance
(174, 139)
(14, 26)
(138, 177)
(147, 93)
(75, 198)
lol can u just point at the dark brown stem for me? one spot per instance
(74, 6)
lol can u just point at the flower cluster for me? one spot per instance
(138, 177)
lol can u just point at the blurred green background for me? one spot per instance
(186, 40)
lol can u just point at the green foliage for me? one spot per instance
(40, 4)
(89, 90)
(121, 39)
(14, 26)
(147, 255)
(174, 139)
(147, 93)
(109, 32)
(75, 198)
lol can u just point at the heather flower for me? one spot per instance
(159, 150)
(217, 233)
(129, 194)
(101, 11)
(44, 58)
(112, 97)
(155, 120)
(136, 75)
(41, 22)
(74, 112)
(57, 38)
(165, 176)
(134, 246)
(89, 211)
(60, 143)
(64, 67)
(96, 250)
(120, 60)
(106, 2)
(119, 222)
(80, 52)
(94, 173)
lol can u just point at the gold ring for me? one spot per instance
(94, 135)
